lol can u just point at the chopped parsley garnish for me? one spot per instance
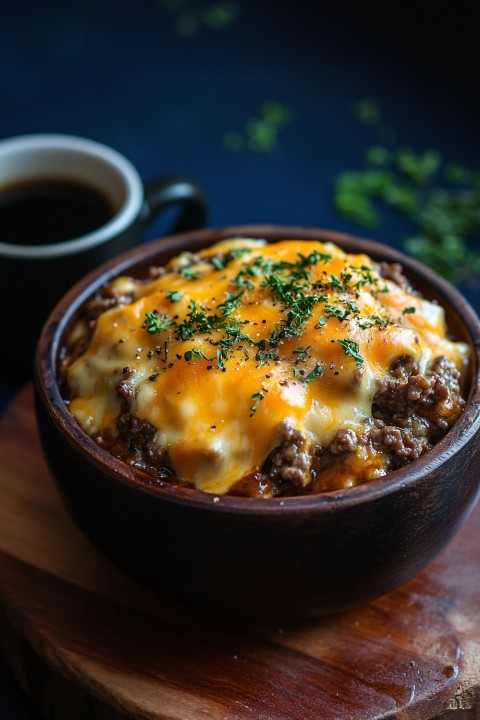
(314, 257)
(308, 377)
(217, 263)
(383, 322)
(265, 356)
(439, 200)
(351, 349)
(196, 321)
(233, 301)
(366, 271)
(408, 310)
(295, 288)
(365, 323)
(194, 354)
(243, 279)
(155, 323)
(335, 284)
(260, 132)
(238, 252)
(189, 273)
(335, 311)
(299, 303)
(256, 397)
(302, 354)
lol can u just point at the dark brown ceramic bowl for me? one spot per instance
(300, 555)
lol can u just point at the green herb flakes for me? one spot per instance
(156, 324)
(440, 200)
(261, 131)
(194, 354)
(305, 377)
(192, 15)
(189, 273)
(257, 397)
(351, 349)
(217, 263)
(302, 354)
(368, 112)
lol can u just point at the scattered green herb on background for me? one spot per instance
(260, 132)
(367, 111)
(440, 200)
(191, 15)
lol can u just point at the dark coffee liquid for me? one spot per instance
(38, 212)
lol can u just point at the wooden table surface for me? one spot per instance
(85, 641)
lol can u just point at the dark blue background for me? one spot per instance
(117, 71)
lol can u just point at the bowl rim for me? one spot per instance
(48, 347)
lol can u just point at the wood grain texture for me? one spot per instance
(86, 641)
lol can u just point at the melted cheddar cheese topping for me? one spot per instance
(227, 345)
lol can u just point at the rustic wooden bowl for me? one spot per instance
(301, 555)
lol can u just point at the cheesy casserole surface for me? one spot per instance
(265, 369)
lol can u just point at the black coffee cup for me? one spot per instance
(66, 205)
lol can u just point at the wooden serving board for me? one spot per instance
(85, 641)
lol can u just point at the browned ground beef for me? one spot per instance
(393, 272)
(345, 441)
(428, 405)
(135, 432)
(135, 440)
(105, 299)
(401, 442)
(411, 412)
(289, 462)
(135, 445)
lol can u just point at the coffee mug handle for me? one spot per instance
(173, 190)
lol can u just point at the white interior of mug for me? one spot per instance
(72, 158)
